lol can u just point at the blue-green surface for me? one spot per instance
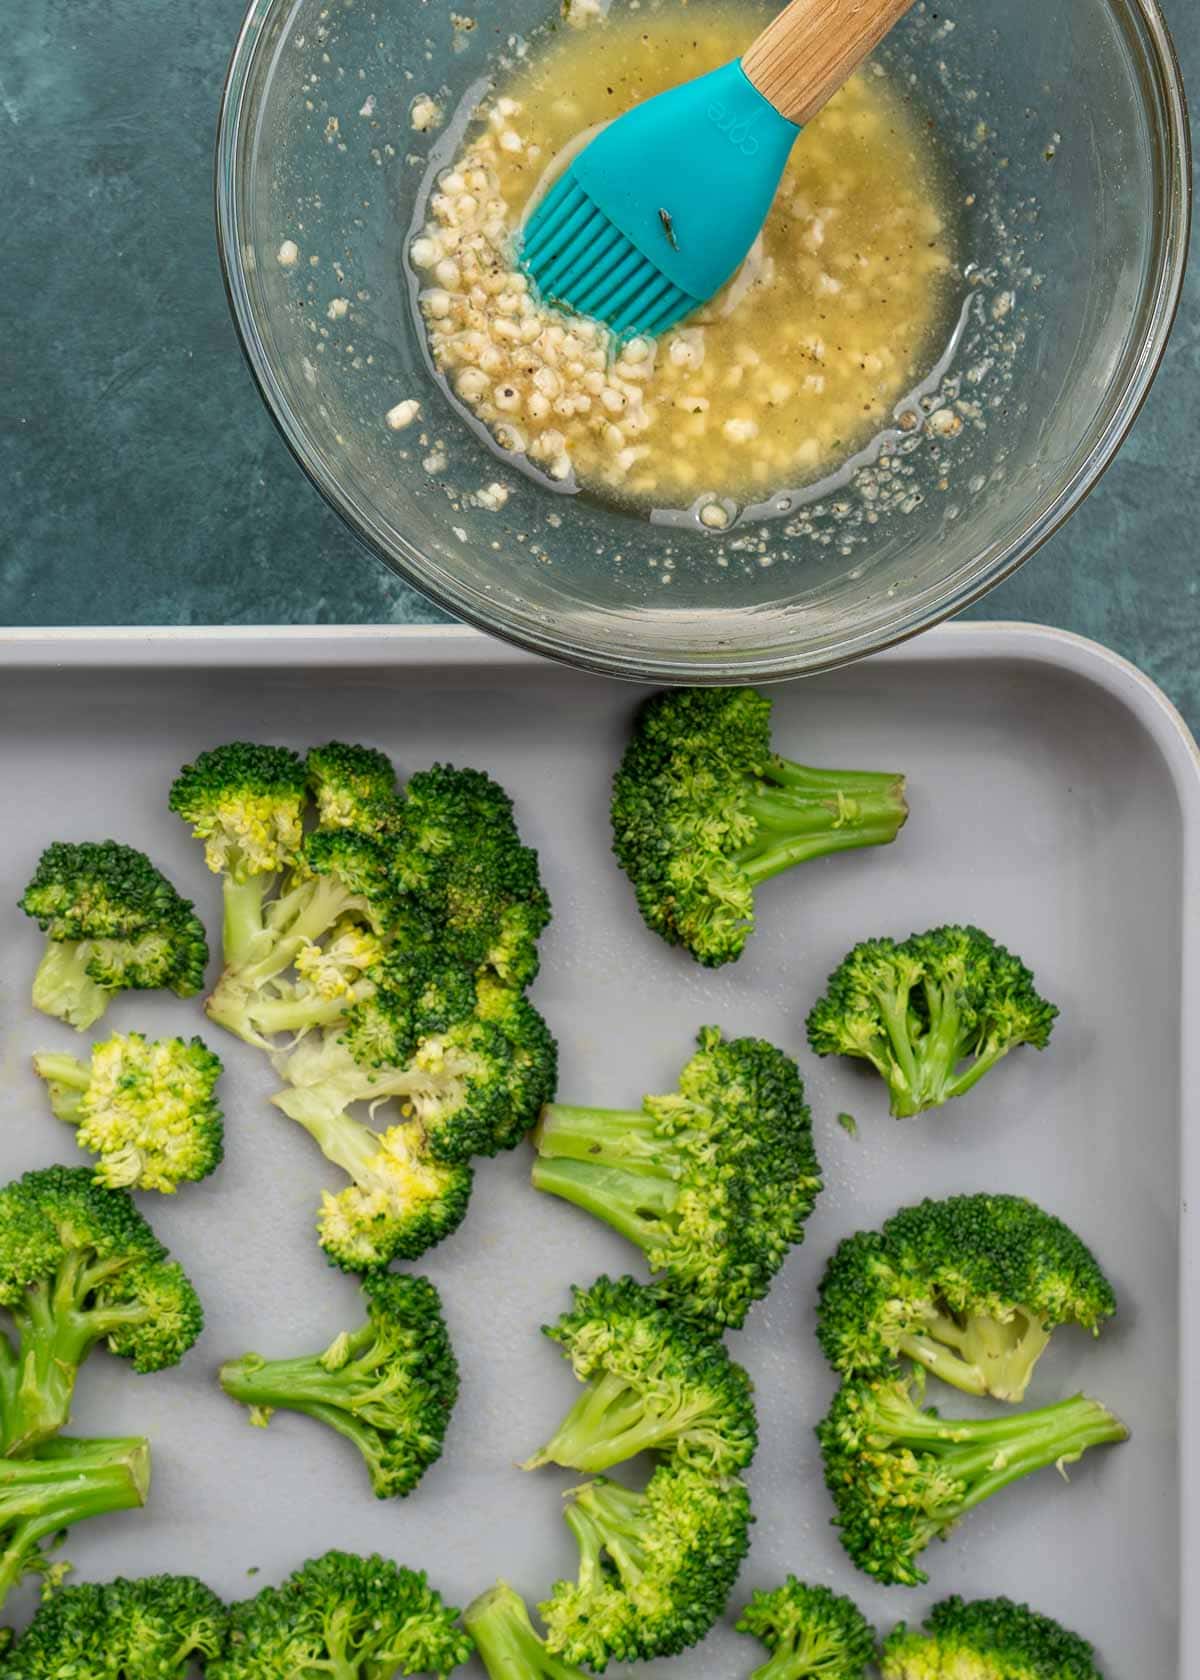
(142, 480)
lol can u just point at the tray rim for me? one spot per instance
(412, 646)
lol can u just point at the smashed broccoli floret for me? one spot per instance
(247, 803)
(80, 1265)
(388, 1386)
(902, 1475)
(356, 1618)
(151, 1629)
(61, 1483)
(986, 1639)
(971, 1288)
(113, 923)
(655, 1568)
(932, 1014)
(148, 1111)
(400, 1202)
(506, 1643)
(353, 785)
(703, 812)
(655, 1383)
(714, 1182)
(811, 1632)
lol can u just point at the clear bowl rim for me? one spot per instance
(1174, 171)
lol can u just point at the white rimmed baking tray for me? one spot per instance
(1055, 800)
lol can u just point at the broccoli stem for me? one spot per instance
(986, 1356)
(67, 1482)
(63, 988)
(608, 1518)
(499, 1624)
(243, 926)
(609, 1423)
(67, 1079)
(634, 1204)
(804, 813)
(304, 1385)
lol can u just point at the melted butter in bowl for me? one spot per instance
(843, 306)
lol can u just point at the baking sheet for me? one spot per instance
(1054, 800)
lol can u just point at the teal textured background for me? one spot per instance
(145, 484)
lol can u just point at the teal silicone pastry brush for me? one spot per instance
(657, 212)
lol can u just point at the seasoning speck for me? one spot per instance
(288, 254)
(403, 414)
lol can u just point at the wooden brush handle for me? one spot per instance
(805, 54)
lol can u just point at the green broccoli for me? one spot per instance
(354, 786)
(986, 1639)
(902, 1476)
(505, 1640)
(655, 1383)
(656, 1568)
(345, 1617)
(148, 1110)
(113, 923)
(932, 1014)
(470, 1061)
(150, 1629)
(388, 1386)
(714, 1182)
(971, 1288)
(80, 1265)
(247, 803)
(811, 1632)
(64, 1482)
(703, 812)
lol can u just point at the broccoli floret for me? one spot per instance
(247, 803)
(147, 1110)
(505, 1640)
(64, 1482)
(461, 856)
(971, 1288)
(80, 1265)
(356, 1618)
(811, 1632)
(931, 1014)
(470, 1062)
(150, 1629)
(353, 786)
(713, 1182)
(330, 925)
(388, 1386)
(901, 1475)
(656, 1567)
(113, 923)
(655, 1382)
(401, 1201)
(987, 1639)
(703, 812)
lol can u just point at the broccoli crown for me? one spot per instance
(388, 1386)
(703, 812)
(125, 1630)
(114, 923)
(988, 1639)
(970, 1287)
(352, 785)
(655, 1382)
(811, 1632)
(78, 1265)
(147, 1110)
(359, 1618)
(656, 1568)
(901, 1475)
(505, 1640)
(714, 1182)
(247, 803)
(62, 1482)
(932, 1014)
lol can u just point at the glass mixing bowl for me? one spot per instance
(1066, 130)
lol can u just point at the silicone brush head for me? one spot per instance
(661, 207)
